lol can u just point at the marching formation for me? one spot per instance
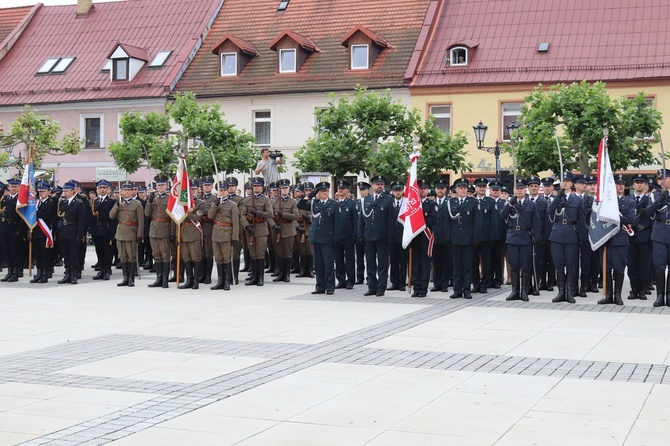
(539, 231)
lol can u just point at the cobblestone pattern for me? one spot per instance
(175, 399)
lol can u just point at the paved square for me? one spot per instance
(93, 364)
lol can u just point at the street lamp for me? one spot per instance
(480, 133)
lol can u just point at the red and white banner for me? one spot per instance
(411, 212)
(180, 201)
(605, 221)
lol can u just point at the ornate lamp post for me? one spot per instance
(480, 133)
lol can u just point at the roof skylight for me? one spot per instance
(48, 65)
(160, 58)
(62, 65)
(283, 4)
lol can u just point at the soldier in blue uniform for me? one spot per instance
(323, 235)
(441, 233)
(45, 207)
(523, 229)
(345, 262)
(101, 229)
(462, 210)
(617, 246)
(534, 197)
(72, 232)
(482, 238)
(498, 236)
(420, 244)
(659, 212)
(638, 250)
(363, 191)
(544, 260)
(398, 255)
(595, 267)
(568, 230)
(584, 248)
(376, 224)
(12, 230)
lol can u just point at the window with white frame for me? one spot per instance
(120, 69)
(228, 64)
(510, 112)
(287, 60)
(442, 115)
(263, 127)
(91, 130)
(458, 56)
(360, 55)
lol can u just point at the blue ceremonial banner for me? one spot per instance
(605, 221)
(26, 201)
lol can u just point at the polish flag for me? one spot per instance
(411, 212)
(180, 201)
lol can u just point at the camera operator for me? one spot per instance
(268, 166)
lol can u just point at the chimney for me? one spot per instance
(84, 6)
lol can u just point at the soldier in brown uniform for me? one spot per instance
(207, 225)
(286, 216)
(191, 241)
(272, 241)
(248, 193)
(237, 243)
(161, 230)
(130, 230)
(226, 219)
(254, 216)
(304, 227)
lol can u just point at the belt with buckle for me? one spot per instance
(162, 220)
(522, 228)
(223, 223)
(568, 222)
(128, 223)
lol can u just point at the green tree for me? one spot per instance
(40, 132)
(147, 138)
(373, 134)
(578, 113)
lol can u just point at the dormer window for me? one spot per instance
(228, 64)
(127, 60)
(360, 55)
(459, 56)
(287, 61)
(120, 69)
(234, 53)
(460, 53)
(364, 47)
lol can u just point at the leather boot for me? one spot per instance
(295, 263)
(551, 279)
(660, 289)
(634, 289)
(159, 276)
(38, 275)
(209, 266)
(514, 295)
(525, 286)
(66, 277)
(188, 268)
(261, 272)
(279, 277)
(609, 293)
(173, 267)
(560, 283)
(220, 278)
(106, 272)
(101, 272)
(303, 267)
(310, 266)
(132, 272)
(582, 286)
(570, 282)
(594, 283)
(272, 263)
(236, 271)
(46, 275)
(640, 290)
(253, 279)
(226, 276)
(10, 273)
(166, 274)
(247, 261)
(124, 269)
(287, 270)
(618, 286)
(197, 273)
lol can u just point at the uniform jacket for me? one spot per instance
(429, 208)
(376, 219)
(541, 205)
(462, 220)
(442, 228)
(399, 227)
(325, 222)
(498, 226)
(72, 219)
(627, 216)
(288, 221)
(10, 222)
(485, 208)
(264, 212)
(130, 215)
(567, 216)
(161, 225)
(45, 210)
(643, 222)
(523, 222)
(101, 224)
(659, 212)
(225, 221)
(191, 227)
(207, 224)
(348, 219)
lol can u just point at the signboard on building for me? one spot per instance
(109, 174)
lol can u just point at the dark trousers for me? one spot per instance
(12, 243)
(360, 261)
(461, 256)
(441, 266)
(566, 256)
(481, 254)
(520, 258)
(616, 258)
(70, 251)
(376, 257)
(103, 250)
(638, 261)
(324, 268)
(345, 262)
(548, 262)
(420, 264)
(497, 262)
(585, 261)
(41, 254)
(398, 265)
(660, 254)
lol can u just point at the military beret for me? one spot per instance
(620, 178)
(343, 184)
(324, 185)
(161, 179)
(397, 185)
(423, 184)
(640, 177)
(363, 185)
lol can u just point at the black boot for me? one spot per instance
(166, 274)
(261, 272)
(226, 276)
(159, 276)
(38, 275)
(132, 271)
(640, 290)
(282, 271)
(173, 267)
(618, 286)
(303, 267)
(253, 278)
(594, 283)
(287, 270)
(660, 289)
(583, 285)
(272, 263)
(560, 283)
(295, 263)
(46, 275)
(310, 265)
(188, 268)
(220, 278)
(609, 293)
(10, 273)
(525, 287)
(515, 287)
(66, 277)
(124, 269)
(551, 280)
(570, 281)
(200, 266)
(197, 274)
(235, 271)
(209, 266)
(634, 289)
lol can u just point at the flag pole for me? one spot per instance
(30, 252)
(176, 273)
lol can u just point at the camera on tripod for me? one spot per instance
(274, 154)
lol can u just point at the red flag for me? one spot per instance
(411, 213)
(180, 201)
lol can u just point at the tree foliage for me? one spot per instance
(373, 134)
(40, 132)
(578, 113)
(147, 138)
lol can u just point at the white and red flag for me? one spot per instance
(411, 212)
(605, 221)
(26, 199)
(180, 201)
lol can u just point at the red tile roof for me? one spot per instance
(242, 44)
(303, 41)
(324, 22)
(9, 18)
(56, 31)
(133, 52)
(589, 40)
(375, 37)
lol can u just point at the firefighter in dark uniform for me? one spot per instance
(498, 237)
(585, 248)
(225, 218)
(617, 246)
(548, 277)
(567, 232)
(12, 230)
(595, 267)
(638, 250)
(462, 210)
(441, 253)
(72, 232)
(255, 213)
(397, 255)
(523, 228)
(659, 212)
(101, 229)
(323, 235)
(81, 195)
(285, 218)
(345, 261)
(363, 191)
(538, 261)
(421, 243)
(482, 238)
(376, 225)
(46, 209)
